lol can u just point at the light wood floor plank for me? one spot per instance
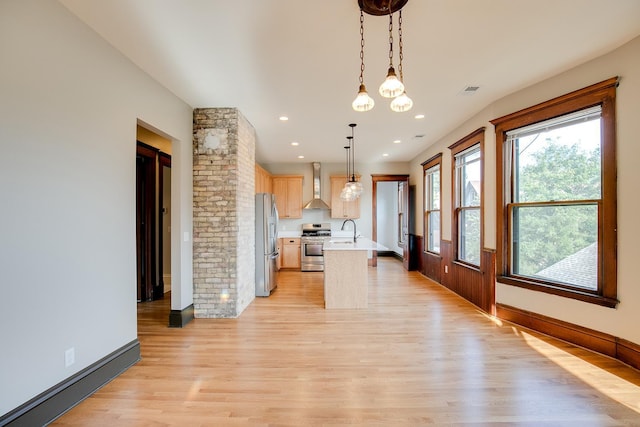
(419, 355)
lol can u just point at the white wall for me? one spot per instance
(326, 170)
(624, 62)
(69, 106)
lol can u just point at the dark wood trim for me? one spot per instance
(619, 348)
(628, 352)
(556, 106)
(146, 221)
(375, 178)
(179, 318)
(51, 404)
(474, 138)
(604, 94)
(467, 141)
(164, 160)
(432, 161)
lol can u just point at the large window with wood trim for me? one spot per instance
(557, 222)
(467, 198)
(432, 173)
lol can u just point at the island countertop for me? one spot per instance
(347, 244)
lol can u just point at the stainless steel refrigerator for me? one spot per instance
(266, 244)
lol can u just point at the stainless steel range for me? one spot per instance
(311, 241)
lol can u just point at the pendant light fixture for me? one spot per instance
(402, 102)
(363, 101)
(353, 188)
(347, 194)
(391, 86)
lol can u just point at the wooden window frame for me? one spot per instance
(474, 138)
(603, 94)
(426, 201)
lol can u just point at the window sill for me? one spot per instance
(467, 265)
(554, 290)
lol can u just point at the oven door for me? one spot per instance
(311, 257)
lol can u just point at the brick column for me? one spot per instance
(223, 212)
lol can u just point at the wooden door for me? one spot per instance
(148, 237)
(145, 221)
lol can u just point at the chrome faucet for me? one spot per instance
(354, 227)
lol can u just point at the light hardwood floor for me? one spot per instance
(419, 355)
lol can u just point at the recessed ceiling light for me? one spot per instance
(419, 116)
(301, 157)
(397, 141)
(385, 155)
(295, 144)
(284, 118)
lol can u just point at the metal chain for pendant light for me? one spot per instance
(390, 40)
(391, 86)
(363, 101)
(402, 102)
(400, 45)
(361, 47)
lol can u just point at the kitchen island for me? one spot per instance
(345, 272)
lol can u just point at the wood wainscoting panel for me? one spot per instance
(477, 285)
(432, 266)
(488, 264)
(445, 267)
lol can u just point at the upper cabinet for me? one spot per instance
(263, 180)
(288, 191)
(340, 208)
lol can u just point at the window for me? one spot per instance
(431, 170)
(467, 198)
(556, 230)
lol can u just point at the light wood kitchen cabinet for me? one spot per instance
(290, 254)
(263, 180)
(341, 208)
(288, 191)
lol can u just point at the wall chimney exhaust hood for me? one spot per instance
(316, 202)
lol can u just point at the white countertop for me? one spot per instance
(347, 244)
(289, 234)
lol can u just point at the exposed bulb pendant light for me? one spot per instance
(402, 102)
(363, 101)
(392, 86)
(347, 194)
(353, 188)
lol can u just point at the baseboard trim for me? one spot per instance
(600, 342)
(392, 254)
(179, 318)
(60, 398)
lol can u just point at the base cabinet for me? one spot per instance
(290, 253)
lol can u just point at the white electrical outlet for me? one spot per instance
(69, 357)
(446, 268)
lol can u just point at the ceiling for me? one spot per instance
(300, 59)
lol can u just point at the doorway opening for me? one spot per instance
(392, 215)
(153, 215)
